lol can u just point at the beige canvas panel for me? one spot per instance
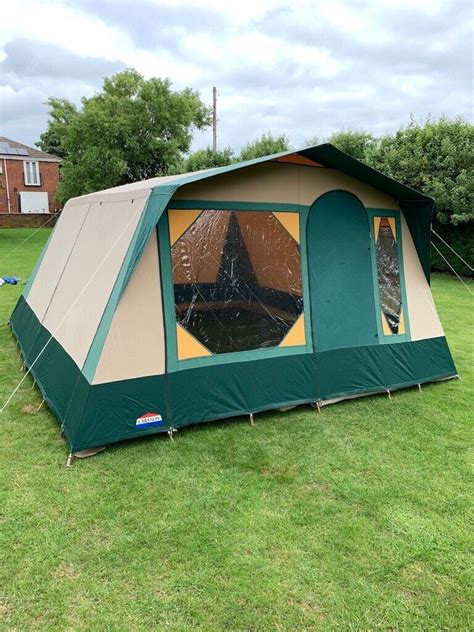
(422, 315)
(134, 190)
(110, 196)
(59, 249)
(281, 183)
(90, 275)
(135, 344)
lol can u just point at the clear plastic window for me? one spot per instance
(388, 274)
(237, 278)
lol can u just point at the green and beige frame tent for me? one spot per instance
(301, 277)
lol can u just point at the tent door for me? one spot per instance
(341, 277)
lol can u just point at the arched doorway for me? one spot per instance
(340, 274)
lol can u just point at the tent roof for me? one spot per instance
(326, 154)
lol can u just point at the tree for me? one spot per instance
(356, 143)
(436, 158)
(264, 146)
(311, 141)
(61, 114)
(134, 129)
(207, 158)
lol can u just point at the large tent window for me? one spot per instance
(388, 272)
(237, 278)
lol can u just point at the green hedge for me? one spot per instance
(461, 238)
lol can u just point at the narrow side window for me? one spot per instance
(388, 276)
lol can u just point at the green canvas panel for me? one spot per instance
(217, 392)
(341, 281)
(61, 383)
(107, 413)
(112, 411)
(418, 214)
(355, 370)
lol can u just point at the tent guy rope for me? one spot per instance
(91, 278)
(452, 249)
(447, 262)
(28, 238)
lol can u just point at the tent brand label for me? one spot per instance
(149, 419)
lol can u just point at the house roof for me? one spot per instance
(9, 149)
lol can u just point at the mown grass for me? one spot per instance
(357, 518)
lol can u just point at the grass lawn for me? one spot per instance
(355, 518)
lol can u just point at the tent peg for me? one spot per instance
(171, 432)
(419, 387)
(389, 394)
(39, 407)
(70, 459)
(252, 422)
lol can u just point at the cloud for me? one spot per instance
(31, 71)
(29, 60)
(304, 69)
(154, 26)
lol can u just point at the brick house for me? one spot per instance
(28, 179)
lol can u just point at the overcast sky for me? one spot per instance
(305, 68)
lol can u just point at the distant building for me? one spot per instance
(28, 179)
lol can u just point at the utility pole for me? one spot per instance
(214, 119)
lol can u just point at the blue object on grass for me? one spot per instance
(11, 280)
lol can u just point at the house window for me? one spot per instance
(237, 281)
(32, 174)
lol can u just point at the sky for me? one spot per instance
(305, 69)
